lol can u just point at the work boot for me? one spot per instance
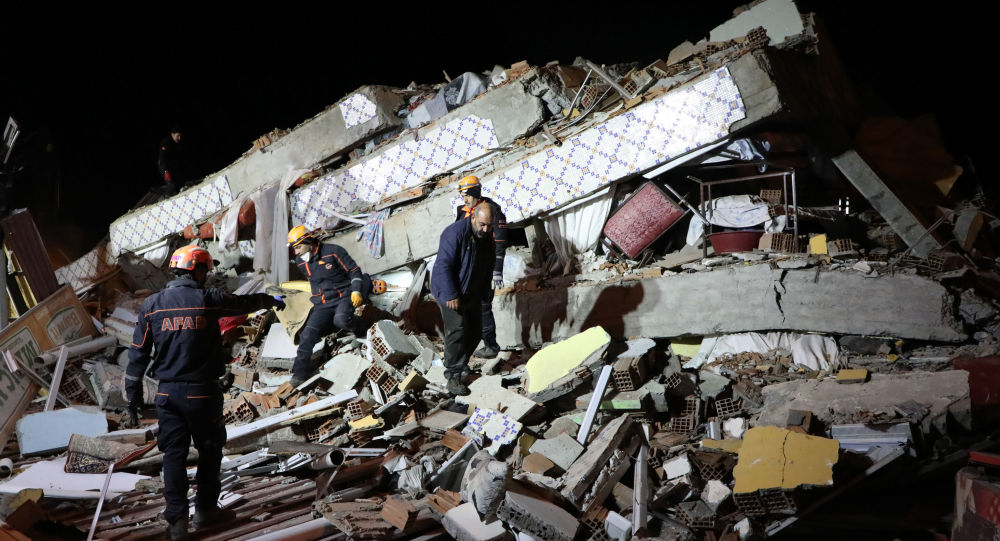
(209, 517)
(295, 382)
(178, 530)
(487, 352)
(457, 388)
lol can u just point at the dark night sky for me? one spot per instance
(104, 84)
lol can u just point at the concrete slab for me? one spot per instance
(882, 199)
(942, 393)
(558, 360)
(540, 518)
(780, 18)
(773, 457)
(462, 522)
(562, 450)
(442, 420)
(343, 371)
(50, 430)
(488, 392)
(712, 384)
(733, 299)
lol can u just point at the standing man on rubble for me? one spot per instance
(461, 282)
(169, 161)
(472, 195)
(338, 287)
(182, 322)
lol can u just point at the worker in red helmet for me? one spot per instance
(182, 322)
(471, 191)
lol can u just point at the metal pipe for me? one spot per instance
(51, 356)
(307, 531)
(50, 402)
(100, 502)
(332, 459)
(607, 78)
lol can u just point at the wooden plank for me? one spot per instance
(454, 440)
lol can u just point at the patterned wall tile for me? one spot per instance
(398, 168)
(171, 216)
(357, 109)
(644, 137)
(85, 270)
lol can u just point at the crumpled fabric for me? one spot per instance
(577, 229)
(372, 233)
(278, 274)
(736, 212)
(812, 350)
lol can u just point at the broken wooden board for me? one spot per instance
(584, 471)
(58, 319)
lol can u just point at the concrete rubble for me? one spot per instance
(694, 392)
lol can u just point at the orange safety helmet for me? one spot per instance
(187, 257)
(468, 182)
(297, 235)
(378, 286)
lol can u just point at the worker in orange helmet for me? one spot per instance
(471, 191)
(182, 322)
(338, 287)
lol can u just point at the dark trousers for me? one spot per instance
(322, 319)
(489, 324)
(462, 331)
(186, 411)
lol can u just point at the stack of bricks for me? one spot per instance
(696, 514)
(319, 431)
(777, 242)
(686, 422)
(357, 409)
(239, 411)
(773, 197)
(840, 247)
(762, 502)
(629, 373)
(727, 407)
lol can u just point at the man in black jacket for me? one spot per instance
(338, 287)
(471, 191)
(182, 321)
(460, 282)
(169, 161)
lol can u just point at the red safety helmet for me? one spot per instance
(187, 257)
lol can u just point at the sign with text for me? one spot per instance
(56, 320)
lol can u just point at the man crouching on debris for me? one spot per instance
(182, 321)
(338, 287)
(461, 279)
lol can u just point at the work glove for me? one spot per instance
(356, 299)
(278, 303)
(133, 416)
(497, 280)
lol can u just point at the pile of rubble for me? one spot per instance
(719, 318)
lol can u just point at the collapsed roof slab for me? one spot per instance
(476, 129)
(733, 299)
(341, 127)
(535, 181)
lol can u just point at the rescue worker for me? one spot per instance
(168, 161)
(471, 191)
(461, 282)
(338, 287)
(181, 321)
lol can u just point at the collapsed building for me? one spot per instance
(737, 296)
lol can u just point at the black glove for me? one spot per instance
(133, 416)
(278, 303)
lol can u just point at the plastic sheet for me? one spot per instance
(577, 229)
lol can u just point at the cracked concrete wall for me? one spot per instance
(733, 299)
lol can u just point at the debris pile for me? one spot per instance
(714, 326)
